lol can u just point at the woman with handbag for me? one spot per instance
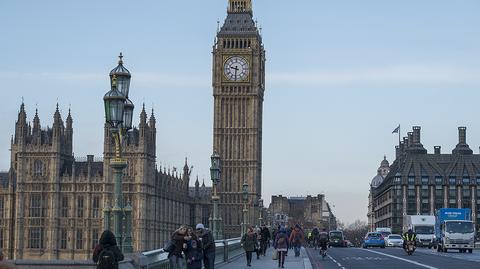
(249, 240)
(281, 246)
(178, 240)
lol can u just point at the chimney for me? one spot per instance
(462, 135)
(416, 135)
(437, 149)
(410, 139)
(89, 158)
(398, 152)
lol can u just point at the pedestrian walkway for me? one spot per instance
(266, 262)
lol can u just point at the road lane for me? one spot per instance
(355, 258)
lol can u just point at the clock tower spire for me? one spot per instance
(238, 90)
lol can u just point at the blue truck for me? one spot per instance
(454, 229)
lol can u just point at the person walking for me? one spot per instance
(248, 242)
(257, 244)
(297, 238)
(281, 246)
(193, 251)
(208, 243)
(265, 239)
(178, 239)
(107, 254)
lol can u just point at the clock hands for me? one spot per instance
(236, 70)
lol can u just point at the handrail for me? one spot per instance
(225, 250)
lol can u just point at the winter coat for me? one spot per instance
(285, 244)
(208, 242)
(108, 241)
(265, 233)
(194, 254)
(249, 241)
(297, 237)
(178, 240)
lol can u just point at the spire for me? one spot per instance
(22, 115)
(197, 183)
(36, 121)
(56, 117)
(69, 120)
(143, 116)
(152, 119)
(203, 183)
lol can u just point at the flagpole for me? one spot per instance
(399, 131)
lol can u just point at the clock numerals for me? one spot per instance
(236, 69)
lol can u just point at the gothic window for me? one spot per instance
(80, 207)
(1, 239)
(1, 208)
(63, 238)
(38, 168)
(64, 209)
(79, 239)
(96, 207)
(35, 206)
(94, 238)
(35, 239)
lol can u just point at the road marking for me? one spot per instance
(335, 261)
(402, 259)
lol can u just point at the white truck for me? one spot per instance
(423, 226)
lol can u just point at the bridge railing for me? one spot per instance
(225, 251)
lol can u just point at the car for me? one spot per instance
(336, 239)
(394, 240)
(374, 239)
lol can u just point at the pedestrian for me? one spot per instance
(257, 244)
(193, 251)
(248, 242)
(107, 254)
(208, 243)
(178, 239)
(1, 255)
(265, 239)
(281, 246)
(297, 238)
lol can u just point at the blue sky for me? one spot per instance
(341, 75)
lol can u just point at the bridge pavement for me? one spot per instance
(291, 262)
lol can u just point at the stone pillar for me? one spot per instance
(418, 199)
(459, 196)
(445, 196)
(432, 200)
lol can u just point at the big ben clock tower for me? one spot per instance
(238, 90)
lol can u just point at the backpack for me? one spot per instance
(297, 238)
(323, 237)
(107, 260)
(281, 240)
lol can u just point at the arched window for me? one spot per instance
(38, 168)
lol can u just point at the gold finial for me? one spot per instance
(120, 57)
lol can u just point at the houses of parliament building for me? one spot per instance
(51, 203)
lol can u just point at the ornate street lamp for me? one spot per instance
(119, 115)
(215, 173)
(245, 209)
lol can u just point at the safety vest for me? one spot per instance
(412, 237)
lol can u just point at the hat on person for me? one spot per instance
(200, 226)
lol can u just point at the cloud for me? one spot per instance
(416, 74)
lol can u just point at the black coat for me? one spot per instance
(108, 241)
(208, 242)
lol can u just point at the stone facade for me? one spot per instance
(238, 90)
(309, 212)
(382, 172)
(51, 202)
(419, 183)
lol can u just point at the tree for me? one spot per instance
(355, 232)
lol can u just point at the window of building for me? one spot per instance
(438, 180)
(37, 168)
(465, 181)
(63, 238)
(79, 239)
(424, 180)
(94, 238)
(64, 208)
(411, 180)
(96, 207)
(2, 208)
(1, 239)
(80, 207)
(35, 206)
(35, 239)
(452, 181)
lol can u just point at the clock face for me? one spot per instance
(236, 69)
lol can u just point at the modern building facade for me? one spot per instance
(419, 183)
(238, 90)
(309, 212)
(51, 203)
